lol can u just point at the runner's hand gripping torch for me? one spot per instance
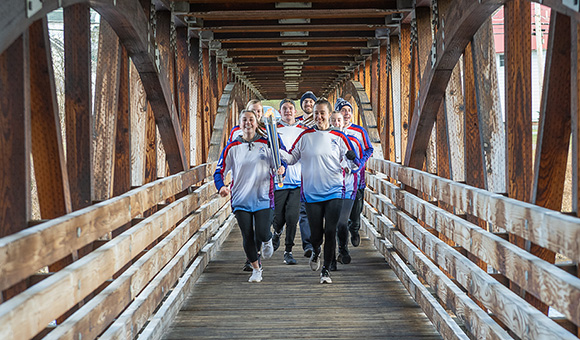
(270, 122)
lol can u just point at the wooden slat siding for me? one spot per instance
(455, 114)
(547, 228)
(15, 134)
(492, 129)
(384, 112)
(479, 324)
(138, 112)
(219, 132)
(183, 88)
(129, 324)
(67, 287)
(451, 41)
(195, 92)
(522, 319)
(78, 117)
(92, 319)
(442, 321)
(122, 170)
(405, 45)
(213, 90)
(163, 317)
(374, 86)
(396, 95)
(20, 258)
(555, 287)
(205, 103)
(105, 116)
(47, 149)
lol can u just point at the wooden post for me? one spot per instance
(122, 172)
(15, 137)
(405, 44)
(374, 86)
(384, 113)
(396, 96)
(47, 149)
(205, 102)
(138, 119)
(368, 78)
(106, 92)
(183, 87)
(195, 121)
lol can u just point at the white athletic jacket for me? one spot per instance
(252, 186)
(320, 154)
(288, 134)
(361, 134)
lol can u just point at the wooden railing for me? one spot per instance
(404, 226)
(116, 289)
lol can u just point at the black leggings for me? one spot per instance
(342, 227)
(252, 239)
(286, 211)
(354, 220)
(323, 218)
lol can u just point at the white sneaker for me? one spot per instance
(256, 275)
(267, 249)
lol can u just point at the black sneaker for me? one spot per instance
(344, 256)
(288, 258)
(276, 240)
(355, 238)
(332, 267)
(325, 276)
(307, 252)
(247, 266)
(315, 261)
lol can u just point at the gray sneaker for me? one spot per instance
(288, 258)
(325, 276)
(267, 249)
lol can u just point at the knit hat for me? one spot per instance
(287, 100)
(340, 103)
(307, 94)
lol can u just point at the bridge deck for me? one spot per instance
(366, 300)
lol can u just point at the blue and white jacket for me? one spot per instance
(252, 186)
(321, 154)
(352, 178)
(361, 134)
(288, 134)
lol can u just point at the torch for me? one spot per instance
(270, 123)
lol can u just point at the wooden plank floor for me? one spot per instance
(365, 300)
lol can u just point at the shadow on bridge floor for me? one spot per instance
(365, 300)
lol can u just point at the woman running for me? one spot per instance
(322, 151)
(249, 158)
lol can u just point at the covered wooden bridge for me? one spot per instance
(113, 112)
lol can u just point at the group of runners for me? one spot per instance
(322, 163)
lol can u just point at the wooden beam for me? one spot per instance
(405, 57)
(374, 85)
(196, 116)
(455, 114)
(122, 160)
(183, 87)
(106, 97)
(15, 138)
(396, 96)
(138, 120)
(424, 37)
(78, 103)
(384, 111)
(205, 102)
(47, 148)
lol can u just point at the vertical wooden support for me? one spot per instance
(46, 138)
(183, 87)
(489, 108)
(357, 75)
(396, 96)
(122, 171)
(14, 137)
(205, 102)
(384, 113)
(518, 101)
(518, 98)
(424, 37)
(78, 117)
(575, 109)
(368, 78)
(166, 52)
(220, 84)
(553, 131)
(195, 121)
(138, 119)
(106, 91)
(150, 151)
(455, 112)
(405, 44)
(374, 88)
(213, 81)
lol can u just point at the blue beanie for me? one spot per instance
(307, 94)
(340, 103)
